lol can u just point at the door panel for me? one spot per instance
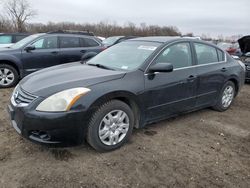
(44, 55)
(211, 79)
(39, 59)
(211, 74)
(174, 92)
(170, 93)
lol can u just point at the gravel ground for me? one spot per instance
(200, 149)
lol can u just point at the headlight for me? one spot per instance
(62, 101)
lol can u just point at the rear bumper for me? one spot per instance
(49, 128)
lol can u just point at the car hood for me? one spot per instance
(5, 45)
(244, 43)
(6, 50)
(52, 80)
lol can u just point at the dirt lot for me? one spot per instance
(201, 149)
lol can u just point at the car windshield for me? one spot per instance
(25, 41)
(111, 40)
(126, 55)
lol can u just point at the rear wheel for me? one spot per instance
(111, 126)
(8, 76)
(226, 97)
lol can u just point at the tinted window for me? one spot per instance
(178, 54)
(86, 42)
(205, 54)
(220, 55)
(46, 43)
(69, 42)
(19, 37)
(5, 39)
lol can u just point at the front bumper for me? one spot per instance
(49, 128)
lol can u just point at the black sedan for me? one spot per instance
(127, 86)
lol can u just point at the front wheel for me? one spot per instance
(226, 97)
(8, 76)
(110, 126)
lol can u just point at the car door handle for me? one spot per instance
(83, 51)
(54, 52)
(223, 69)
(191, 78)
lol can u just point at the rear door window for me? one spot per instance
(205, 54)
(86, 42)
(69, 42)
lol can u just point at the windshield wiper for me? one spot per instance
(100, 66)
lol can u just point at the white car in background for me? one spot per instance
(8, 39)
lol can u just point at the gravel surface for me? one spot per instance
(200, 149)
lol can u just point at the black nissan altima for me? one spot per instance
(129, 85)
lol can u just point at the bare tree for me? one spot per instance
(19, 11)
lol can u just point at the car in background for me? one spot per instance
(42, 50)
(101, 38)
(8, 39)
(127, 86)
(110, 41)
(231, 48)
(244, 44)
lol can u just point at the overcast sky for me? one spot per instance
(214, 17)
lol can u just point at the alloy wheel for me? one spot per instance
(113, 127)
(227, 96)
(6, 77)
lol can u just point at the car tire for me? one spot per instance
(106, 122)
(8, 76)
(226, 97)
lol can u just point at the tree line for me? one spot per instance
(101, 29)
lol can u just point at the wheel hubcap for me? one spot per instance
(113, 127)
(6, 76)
(228, 96)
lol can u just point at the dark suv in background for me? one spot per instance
(43, 50)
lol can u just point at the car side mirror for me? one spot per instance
(161, 67)
(87, 56)
(29, 48)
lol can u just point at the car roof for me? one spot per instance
(161, 39)
(167, 39)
